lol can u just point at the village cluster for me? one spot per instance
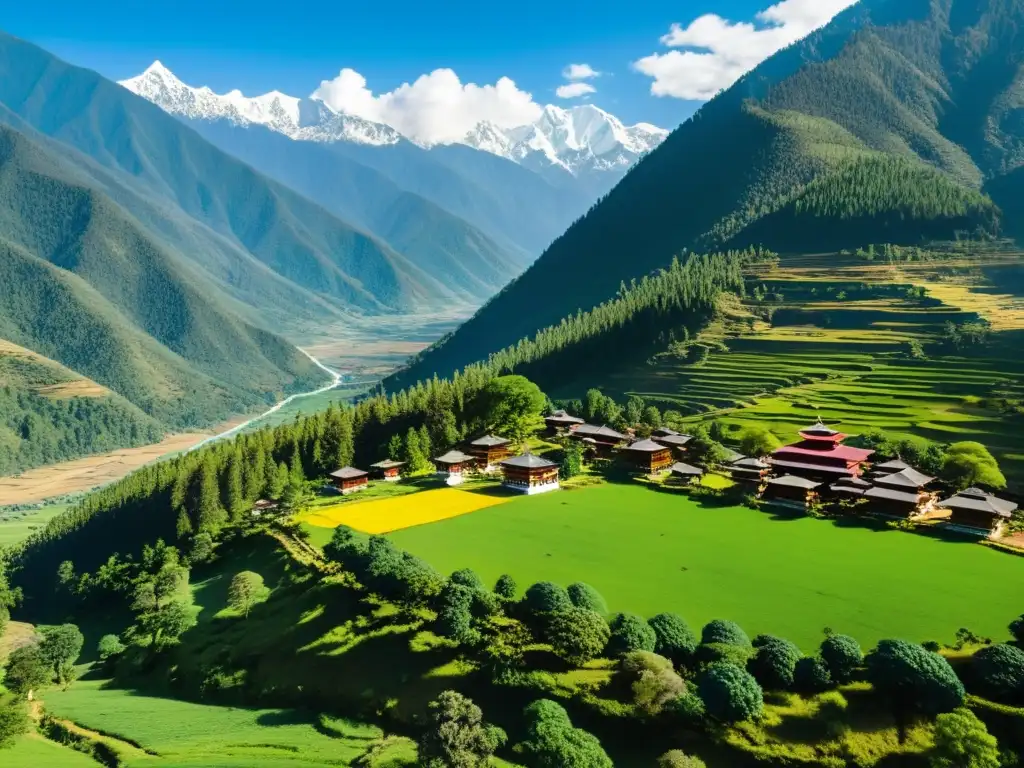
(817, 468)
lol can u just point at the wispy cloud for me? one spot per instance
(579, 72)
(574, 90)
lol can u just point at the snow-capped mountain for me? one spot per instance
(582, 140)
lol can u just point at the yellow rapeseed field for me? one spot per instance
(394, 514)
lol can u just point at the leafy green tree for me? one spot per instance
(395, 448)
(914, 678)
(60, 648)
(66, 577)
(27, 670)
(297, 497)
(688, 709)
(512, 405)
(593, 405)
(577, 635)
(999, 670)
(774, 663)
(467, 577)
(455, 618)
(712, 653)
(415, 459)
(729, 693)
(245, 591)
(552, 741)
(676, 758)
(506, 587)
(586, 597)
(14, 721)
(842, 655)
(652, 417)
(630, 633)
(456, 735)
(963, 741)
(201, 550)
(758, 441)
(969, 464)
(652, 679)
(9, 598)
(444, 432)
(109, 646)
(1017, 628)
(634, 410)
(168, 623)
(204, 505)
(811, 675)
(723, 632)
(572, 461)
(674, 638)
(547, 597)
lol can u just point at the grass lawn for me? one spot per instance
(14, 528)
(34, 751)
(648, 552)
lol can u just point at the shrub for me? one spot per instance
(913, 678)
(729, 693)
(109, 646)
(552, 741)
(962, 741)
(577, 635)
(456, 734)
(774, 663)
(688, 709)
(676, 758)
(999, 670)
(842, 655)
(713, 653)
(1017, 629)
(674, 638)
(811, 675)
(546, 597)
(653, 680)
(586, 597)
(724, 633)
(14, 721)
(506, 587)
(630, 633)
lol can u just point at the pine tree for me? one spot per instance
(278, 482)
(207, 512)
(345, 455)
(395, 449)
(234, 493)
(296, 474)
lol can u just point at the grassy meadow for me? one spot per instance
(15, 527)
(649, 551)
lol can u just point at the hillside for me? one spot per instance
(888, 125)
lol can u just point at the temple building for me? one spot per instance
(820, 455)
(489, 452)
(979, 512)
(530, 474)
(604, 438)
(749, 471)
(791, 491)
(687, 473)
(908, 479)
(349, 480)
(453, 466)
(389, 471)
(561, 420)
(648, 456)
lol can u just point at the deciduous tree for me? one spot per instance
(674, 638)
(630, 633)
(585, 596)
(577, 635)
(456, 735)
(731, 694)
(552, 741)
(842, 655)
(60, 649)
(963, 741)
(914, 678)
(245, 591)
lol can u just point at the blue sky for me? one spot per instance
(292, 47)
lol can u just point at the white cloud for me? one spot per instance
(579, 72)
(574, 90)
(721, 51)
(436, 108)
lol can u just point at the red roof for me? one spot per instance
(840, 452)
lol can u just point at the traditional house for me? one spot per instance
(530, 474)
(749, 471)
(389, 471)
(687, 473)
(604, 438)
(453, 466)
(675, 442)
(349, 480)
(561, 420)
(820, 455)
(889, 467)
(264, 507)
(663, 432)
(976, 511)
(896, 503)
(648, 456)
(791, 491)
(849, 487)
(489, 452)
(908, 479)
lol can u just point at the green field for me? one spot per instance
(15, 528)
(648, 551)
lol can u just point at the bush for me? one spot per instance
(577, 635)
(586, 597)
(13, 721)
(811, 675)
(717, 652)
(506, 587)
(1017, 629)
(962, 741)
(842, 655)
(729, 693)
(676, 758)
(109, 646)
(999, 670)
(688, 709)
(674, 638)
(553, 742)
(546, 597)
(774, 663)
(913, 678)
(630, 633)
(467, 578)
(652, 679)
(456, 734)
(724, 633)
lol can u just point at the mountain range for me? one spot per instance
(899, 122)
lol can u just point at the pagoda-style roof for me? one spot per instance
(490, 441)
(528, 461)
(455, 457)
(348, 473)
(792, 481)
(645, 446)
(889, 494)
(977, 500)
(820, 432)
(749, 463)
(896, 465)
(905, 478)
(387, 464)
(589, 430)
(808, 467)
(844, 452)
(563, 417)
(675, 440)
(687, 470)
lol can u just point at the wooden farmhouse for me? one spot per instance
(648, 456)
(530, 474)
(749, 470)
(979, 512)
(820, 455)
(489, 451)
(349, 480)
(453, 466)
(264, 507)
(663, 432)
(561, 421)
(791, 491)
(675, 442)
(686, 473)
(603, 439)
(389, 471)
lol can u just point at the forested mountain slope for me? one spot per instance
(888, 125)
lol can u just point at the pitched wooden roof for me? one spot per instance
(905, 478)
(792, 481)
(387, 464)
(645, 446)
(589, 430)
(675, 440)
(889, 494)
(750, 463)
(348, 473)
(563, 417)
(455, 457)
(490, 441)
(528, 461)
(686, 470)
(977, 500)
(896, 465)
